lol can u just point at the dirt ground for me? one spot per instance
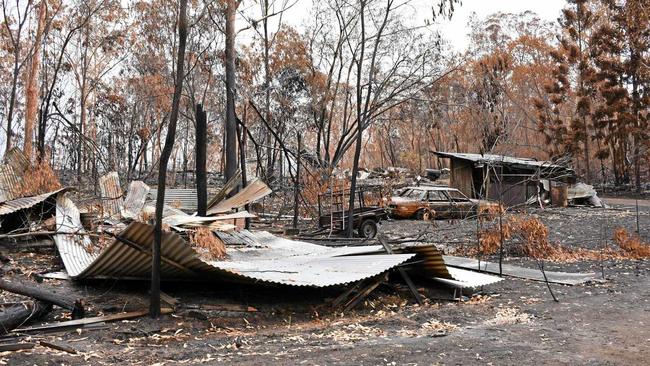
(511, 322)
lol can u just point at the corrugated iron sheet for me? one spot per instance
(109, 186)
(180, 198)
(135, 199)
(252, 192)
(242, 237)
(190, 220)
(11, 174)
(465, 278)
(564, 278)
(74, 247)
(26, 202)
(129, 257)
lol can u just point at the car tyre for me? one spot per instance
(368, 229)
(423, 215)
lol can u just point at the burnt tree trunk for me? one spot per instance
(154, 305)
(231, 123)
(296, 188)
(40, 293)
(16, 315)
(241, 135)
(201, 174)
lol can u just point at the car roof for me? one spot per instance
(432, 188)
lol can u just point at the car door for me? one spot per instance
(462, 206)
(440, 204)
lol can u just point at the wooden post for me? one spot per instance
(201, 174)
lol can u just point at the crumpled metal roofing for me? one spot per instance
(278, 261)
(26, 202)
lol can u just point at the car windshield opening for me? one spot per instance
(457, 196)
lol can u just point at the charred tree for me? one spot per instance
(201, 174)
(43, 294)
(154, 306)
(16, 315)
(31, 92)
(231, 123)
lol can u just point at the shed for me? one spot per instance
(514, 180)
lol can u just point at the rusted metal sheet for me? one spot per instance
(109, 186)
(252, 192)
(27, 202)
(430, 261)
(11, 174)
(135, 199)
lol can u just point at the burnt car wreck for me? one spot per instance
(434, 202)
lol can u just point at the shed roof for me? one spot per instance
(546, 168)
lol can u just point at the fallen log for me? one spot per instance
(16, 315)
(39, 292)
(16, 346)
(58, 347)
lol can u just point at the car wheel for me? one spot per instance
(423, 215)
(368, 229)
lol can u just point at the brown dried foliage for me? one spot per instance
(533, 242)
(39, 178)
(210, 244)
(632, 245)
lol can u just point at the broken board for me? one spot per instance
(563, 278)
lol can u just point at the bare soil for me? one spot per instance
(512, 322)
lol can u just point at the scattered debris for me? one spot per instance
(508, 316)
(58, 347)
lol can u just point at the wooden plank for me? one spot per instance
(563, 278)
(402, 272)
(231, 184)
(347, 293)
(363, 294)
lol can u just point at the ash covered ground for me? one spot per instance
(514, 321)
